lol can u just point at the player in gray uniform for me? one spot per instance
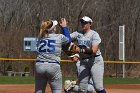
(91, 61)
(76, 58)
(48, 59)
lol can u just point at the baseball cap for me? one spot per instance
(85, 20)
(75, 55)
(54, 24)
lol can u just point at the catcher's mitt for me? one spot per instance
(69, 84)
(70, 49)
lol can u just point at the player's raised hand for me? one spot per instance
(63, 22)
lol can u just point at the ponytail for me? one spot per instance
(44, 28)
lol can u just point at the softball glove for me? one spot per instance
(69, 84)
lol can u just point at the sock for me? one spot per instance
(102, 91)
(67, 91)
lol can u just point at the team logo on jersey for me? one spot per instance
(86, 43)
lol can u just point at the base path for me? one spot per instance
(123, 88)
(29, 88)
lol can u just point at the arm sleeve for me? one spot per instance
(66, 33)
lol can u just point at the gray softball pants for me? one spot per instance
(48, 73)
(93, 67)
(90, 88)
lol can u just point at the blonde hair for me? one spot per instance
(45, 25)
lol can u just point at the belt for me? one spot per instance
(48, 62)
(96, 55)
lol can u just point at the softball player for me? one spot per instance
(76, 58)
(91, 61)
(48, 59)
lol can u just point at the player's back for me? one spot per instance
(49, 48)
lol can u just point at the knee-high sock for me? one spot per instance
(102, 91)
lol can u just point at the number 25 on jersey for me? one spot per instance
(47, 46)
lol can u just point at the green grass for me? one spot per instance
(108, 80)
(16, 80)
(30, 80)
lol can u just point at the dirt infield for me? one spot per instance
(29, 88)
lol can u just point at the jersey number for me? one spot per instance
(49, 43)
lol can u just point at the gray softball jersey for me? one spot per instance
(87, 39)
(50, 47)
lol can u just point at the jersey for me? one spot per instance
(49, 48)
(86, 40)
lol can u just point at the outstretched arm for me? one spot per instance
(63, 24)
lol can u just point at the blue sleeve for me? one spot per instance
(65, 32)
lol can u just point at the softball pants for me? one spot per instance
(93, 67)
(48, 73)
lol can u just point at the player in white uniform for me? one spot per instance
(48, 59)
(91, 61)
